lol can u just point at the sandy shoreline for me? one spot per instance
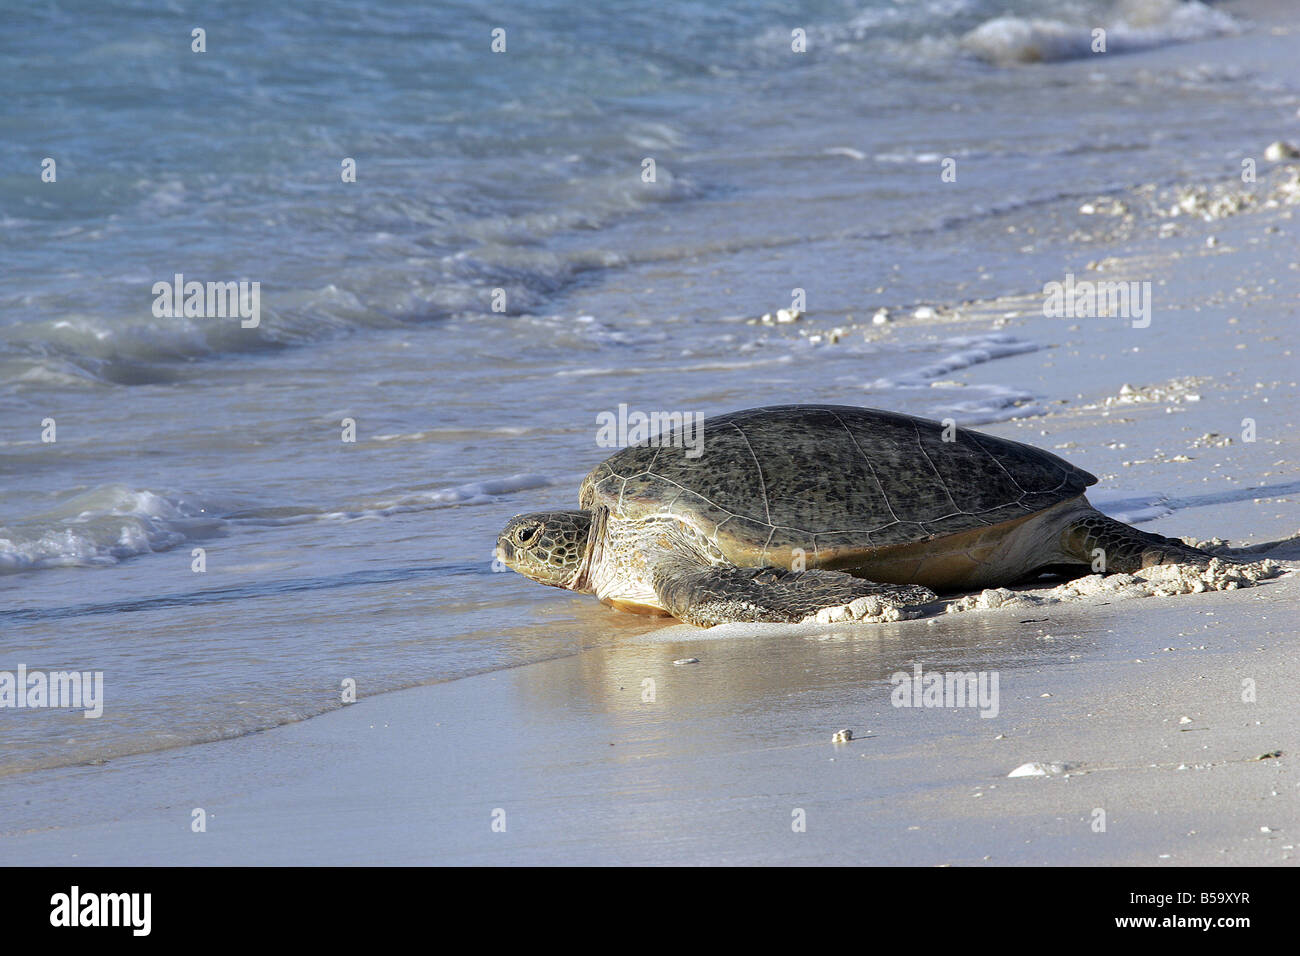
(713, 770)
(1140, 698)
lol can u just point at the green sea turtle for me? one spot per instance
(821, 512)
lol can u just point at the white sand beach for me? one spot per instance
(1136, 696)
(1142, 704)
(1163, 713)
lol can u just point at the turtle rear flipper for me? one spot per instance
(1112, 546)
(706, 595)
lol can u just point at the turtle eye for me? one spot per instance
(528, 534)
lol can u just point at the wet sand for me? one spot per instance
(717, 768)
(1138, 696)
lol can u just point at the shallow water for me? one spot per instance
(371, 559)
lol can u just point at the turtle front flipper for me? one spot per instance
(706, 595)
(1112, 546)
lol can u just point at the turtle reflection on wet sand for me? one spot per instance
(822, 513)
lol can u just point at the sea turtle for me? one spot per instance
(821, 512)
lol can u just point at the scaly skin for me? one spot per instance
(705, 596)
(549, 546)
(1124, 549)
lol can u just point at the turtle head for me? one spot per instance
(548, 546)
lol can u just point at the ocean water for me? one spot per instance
(484, 179)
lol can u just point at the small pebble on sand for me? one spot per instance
(1281, 150)
(1036, 769)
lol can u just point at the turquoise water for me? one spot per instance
(476, 172)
